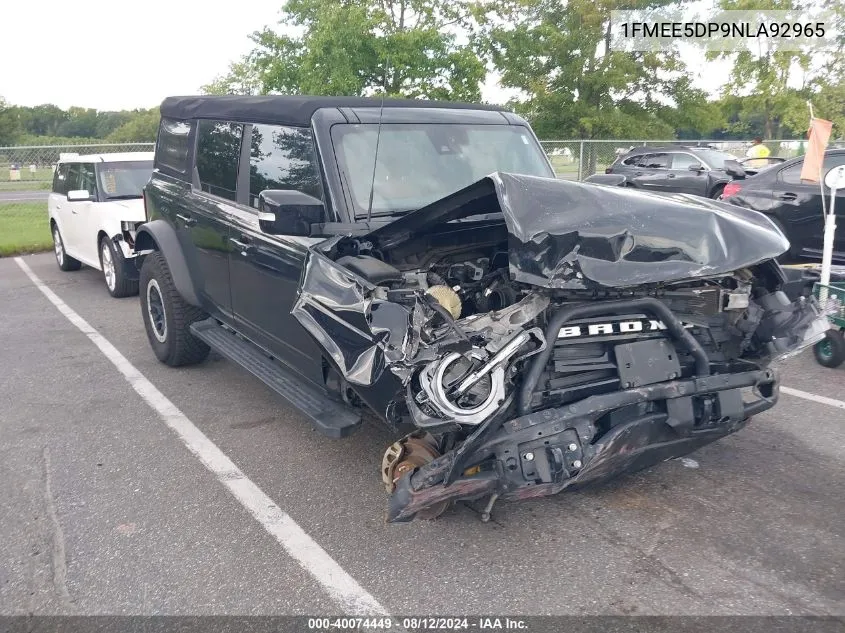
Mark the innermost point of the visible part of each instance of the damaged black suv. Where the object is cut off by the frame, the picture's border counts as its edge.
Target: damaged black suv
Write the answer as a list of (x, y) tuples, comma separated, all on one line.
[(523, 334)]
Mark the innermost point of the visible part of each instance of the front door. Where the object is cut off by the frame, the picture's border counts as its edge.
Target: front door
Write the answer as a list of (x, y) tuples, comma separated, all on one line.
[(266, 269), (687, 175)]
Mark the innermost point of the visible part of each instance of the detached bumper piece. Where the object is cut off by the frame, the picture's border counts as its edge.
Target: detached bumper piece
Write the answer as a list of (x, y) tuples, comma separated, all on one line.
[(547, 451)]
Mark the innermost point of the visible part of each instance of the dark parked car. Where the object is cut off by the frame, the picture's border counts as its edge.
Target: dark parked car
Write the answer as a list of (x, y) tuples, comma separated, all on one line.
[(794, 205), (697, 170), (419, 259)]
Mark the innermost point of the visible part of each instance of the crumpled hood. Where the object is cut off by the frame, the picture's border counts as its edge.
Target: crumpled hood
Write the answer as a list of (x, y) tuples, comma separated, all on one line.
[(566, 234)]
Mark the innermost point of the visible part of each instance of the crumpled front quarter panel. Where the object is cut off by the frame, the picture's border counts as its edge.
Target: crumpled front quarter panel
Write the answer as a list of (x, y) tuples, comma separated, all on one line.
[(344, 315)]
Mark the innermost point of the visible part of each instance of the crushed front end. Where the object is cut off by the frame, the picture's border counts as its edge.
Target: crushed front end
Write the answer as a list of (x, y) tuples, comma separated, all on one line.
[(533, 342)]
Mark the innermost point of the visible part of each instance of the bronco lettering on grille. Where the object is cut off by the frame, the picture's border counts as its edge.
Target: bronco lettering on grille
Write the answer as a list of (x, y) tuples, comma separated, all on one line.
[(616, 327)]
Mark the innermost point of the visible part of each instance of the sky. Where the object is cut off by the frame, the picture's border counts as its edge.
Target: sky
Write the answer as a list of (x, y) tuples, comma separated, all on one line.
[(115, 55)]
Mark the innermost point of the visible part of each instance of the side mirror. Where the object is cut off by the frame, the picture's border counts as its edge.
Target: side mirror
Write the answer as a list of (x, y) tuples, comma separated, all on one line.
[(696, 167), (288, 212), (79, 195), (835, 178)]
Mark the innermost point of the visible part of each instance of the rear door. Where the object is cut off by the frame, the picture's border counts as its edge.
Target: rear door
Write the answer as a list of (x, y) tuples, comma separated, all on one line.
[(651, 172), (204, 224)]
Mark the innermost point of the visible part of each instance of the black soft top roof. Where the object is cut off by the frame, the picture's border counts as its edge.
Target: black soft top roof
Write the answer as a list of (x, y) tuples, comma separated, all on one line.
[(287, 110)]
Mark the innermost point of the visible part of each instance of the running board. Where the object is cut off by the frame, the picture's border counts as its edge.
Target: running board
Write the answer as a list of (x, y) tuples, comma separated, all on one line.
[(328, 416)]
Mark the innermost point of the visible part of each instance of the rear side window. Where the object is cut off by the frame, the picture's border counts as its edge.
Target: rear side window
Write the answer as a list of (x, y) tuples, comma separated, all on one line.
[(218, 154), (791, 175), (60, 179), (173, 145), (282, 158), (655, 161), (632, 160)]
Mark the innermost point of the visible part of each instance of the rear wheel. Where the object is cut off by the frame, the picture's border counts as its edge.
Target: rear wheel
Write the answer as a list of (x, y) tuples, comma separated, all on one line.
[(830, 352), (112, 265), (65, 261), (168, 317)]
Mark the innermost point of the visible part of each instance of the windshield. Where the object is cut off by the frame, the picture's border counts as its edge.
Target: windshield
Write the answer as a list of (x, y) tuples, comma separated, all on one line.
[(419, 163), (125, 179), (713, 158)]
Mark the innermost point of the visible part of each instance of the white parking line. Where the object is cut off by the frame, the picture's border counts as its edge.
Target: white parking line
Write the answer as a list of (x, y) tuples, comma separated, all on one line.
[(340, 586), (833, 402)]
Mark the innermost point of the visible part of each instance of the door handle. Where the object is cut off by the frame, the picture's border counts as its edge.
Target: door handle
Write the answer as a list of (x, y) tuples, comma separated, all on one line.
[(670, 175), (638, 173), (787, 196), (72, 210), (242, 246), (187, 219)]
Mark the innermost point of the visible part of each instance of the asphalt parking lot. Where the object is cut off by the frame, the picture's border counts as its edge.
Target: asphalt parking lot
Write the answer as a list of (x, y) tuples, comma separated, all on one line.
[(105, 510)]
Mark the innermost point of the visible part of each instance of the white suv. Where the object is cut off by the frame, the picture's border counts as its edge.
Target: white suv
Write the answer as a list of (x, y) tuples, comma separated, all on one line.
[(95, 206)]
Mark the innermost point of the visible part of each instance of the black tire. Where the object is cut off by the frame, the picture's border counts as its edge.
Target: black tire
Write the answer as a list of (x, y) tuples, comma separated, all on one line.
[(717, 192), (112, 265), (65, 261), (830, 352), (168, 323)]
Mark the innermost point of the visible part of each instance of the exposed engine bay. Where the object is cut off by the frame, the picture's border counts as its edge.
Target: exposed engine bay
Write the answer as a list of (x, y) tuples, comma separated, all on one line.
[(535, 351)]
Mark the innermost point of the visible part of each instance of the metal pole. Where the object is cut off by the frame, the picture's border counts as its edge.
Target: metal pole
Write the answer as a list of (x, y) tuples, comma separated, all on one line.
[(580, 160)]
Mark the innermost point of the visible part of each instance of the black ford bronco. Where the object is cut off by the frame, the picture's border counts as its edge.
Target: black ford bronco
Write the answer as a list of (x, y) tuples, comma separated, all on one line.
[(521, 334)]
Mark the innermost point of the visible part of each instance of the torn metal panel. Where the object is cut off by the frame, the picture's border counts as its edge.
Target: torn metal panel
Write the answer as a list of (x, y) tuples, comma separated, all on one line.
[(567, 234), (361, 331)]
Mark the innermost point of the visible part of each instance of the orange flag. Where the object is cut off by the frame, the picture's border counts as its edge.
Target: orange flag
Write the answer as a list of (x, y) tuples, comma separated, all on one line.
[(819, 134)]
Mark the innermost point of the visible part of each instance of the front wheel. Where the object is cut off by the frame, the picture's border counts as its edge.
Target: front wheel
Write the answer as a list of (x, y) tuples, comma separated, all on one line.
[(112, 265), (168, 317), (65, 261), (830, 352), (717, 193)]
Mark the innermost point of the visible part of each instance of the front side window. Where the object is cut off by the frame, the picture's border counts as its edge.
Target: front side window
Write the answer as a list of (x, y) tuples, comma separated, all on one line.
[(419, 163), (714, 158), (60, 179), (87, 178), (282, 158), (791, 175), (125, 179), (173, 145), (684, 161), (218, 154)]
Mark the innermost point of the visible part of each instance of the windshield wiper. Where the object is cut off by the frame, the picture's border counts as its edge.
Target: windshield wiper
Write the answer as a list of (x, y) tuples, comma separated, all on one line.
[(126, 196)]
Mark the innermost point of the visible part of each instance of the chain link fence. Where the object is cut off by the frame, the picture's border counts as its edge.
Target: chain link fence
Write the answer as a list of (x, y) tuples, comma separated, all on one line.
[(26, 176), (30, 167), (578, 159)]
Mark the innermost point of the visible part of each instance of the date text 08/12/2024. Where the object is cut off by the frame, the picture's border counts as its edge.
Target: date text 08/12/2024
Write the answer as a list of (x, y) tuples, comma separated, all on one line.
[(417, 623)]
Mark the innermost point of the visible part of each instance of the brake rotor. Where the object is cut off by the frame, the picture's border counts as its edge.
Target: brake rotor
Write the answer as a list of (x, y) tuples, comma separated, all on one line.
[(406, 455)]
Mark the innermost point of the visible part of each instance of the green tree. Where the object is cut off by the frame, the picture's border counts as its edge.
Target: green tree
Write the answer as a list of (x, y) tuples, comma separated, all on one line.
[(411, 48), (43, 120), (559, 54), (142, 127), (242, 78), (764, 81), (10, 127), (80, 122)]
